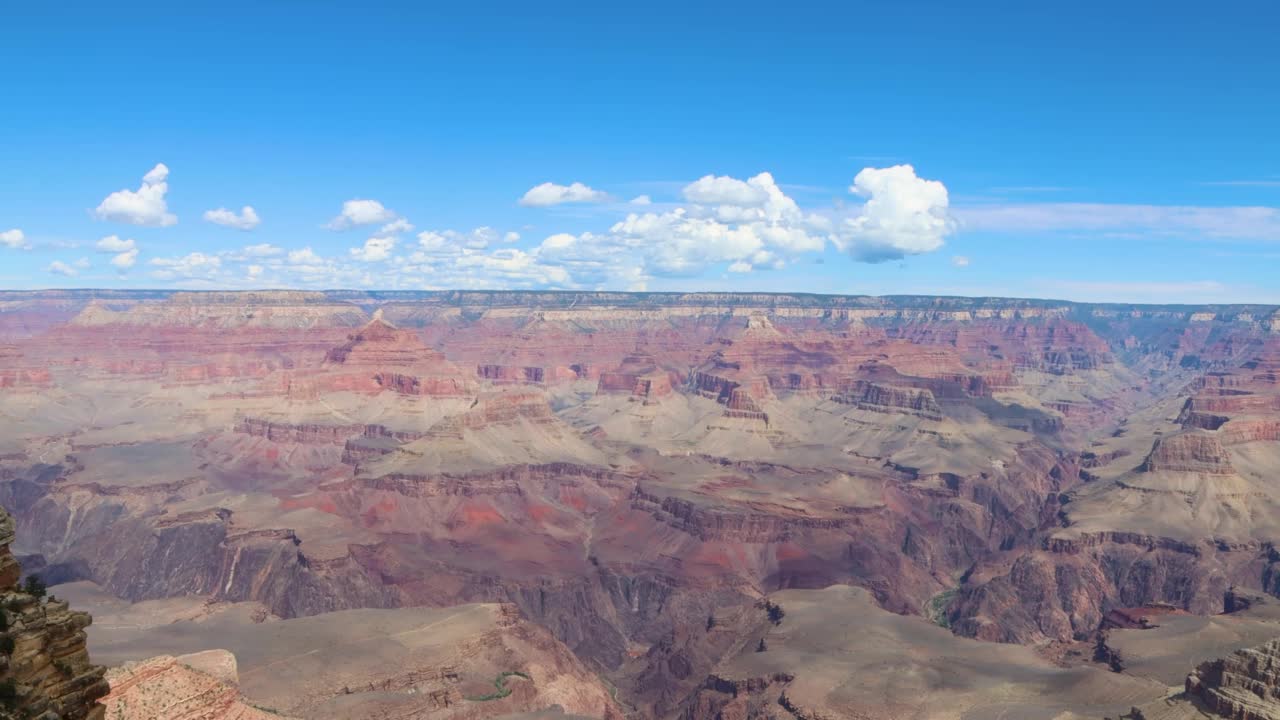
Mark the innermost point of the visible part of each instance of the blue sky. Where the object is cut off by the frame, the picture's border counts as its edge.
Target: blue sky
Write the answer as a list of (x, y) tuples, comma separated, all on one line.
[(1095, 151)]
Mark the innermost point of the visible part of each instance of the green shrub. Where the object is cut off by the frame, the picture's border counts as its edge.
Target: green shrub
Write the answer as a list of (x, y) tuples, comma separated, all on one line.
[(35, 587), (500, 683), (776, 613)]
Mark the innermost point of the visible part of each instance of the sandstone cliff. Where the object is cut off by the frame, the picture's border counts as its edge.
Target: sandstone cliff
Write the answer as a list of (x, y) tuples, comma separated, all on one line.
[(44, 665), (199, 686), (1242, 686)]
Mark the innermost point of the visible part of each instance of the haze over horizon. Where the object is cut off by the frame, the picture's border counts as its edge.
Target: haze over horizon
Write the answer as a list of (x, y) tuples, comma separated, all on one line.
[(1089, 155)]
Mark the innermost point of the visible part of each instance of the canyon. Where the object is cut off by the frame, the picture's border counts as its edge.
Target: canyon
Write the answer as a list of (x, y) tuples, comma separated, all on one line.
[(353, 504)]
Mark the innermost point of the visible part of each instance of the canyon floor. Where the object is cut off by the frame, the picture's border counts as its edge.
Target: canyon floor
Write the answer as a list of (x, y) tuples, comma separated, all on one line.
[(609, 505)]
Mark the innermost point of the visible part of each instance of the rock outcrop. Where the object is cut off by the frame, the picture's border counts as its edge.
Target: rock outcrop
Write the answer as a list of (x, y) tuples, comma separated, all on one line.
[(45, 670), (199, 686), (1245, 685), (1189, 452)]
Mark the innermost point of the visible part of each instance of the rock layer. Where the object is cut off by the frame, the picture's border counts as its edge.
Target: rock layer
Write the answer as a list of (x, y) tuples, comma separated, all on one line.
[(45, 665)]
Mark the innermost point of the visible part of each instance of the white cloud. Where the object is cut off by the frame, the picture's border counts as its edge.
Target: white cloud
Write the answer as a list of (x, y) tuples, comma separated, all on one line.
[(57, 267), (960, 261), (903, 215), (559, 241), (303, 257), (549, 193), (113, 244), (642, 200), (749, 224), (144, 206), (375, 249), (395, 227), (452, 240), (253, 271), (361, 212), (511, 267), (14, 239), (193, 266), (262, 250), (724, 190), (247, 219), (125, 250), (83, 263), (125, 260)]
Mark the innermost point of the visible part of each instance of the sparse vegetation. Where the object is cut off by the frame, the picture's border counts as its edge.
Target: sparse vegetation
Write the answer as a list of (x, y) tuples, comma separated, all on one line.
[(711, 622), (500, 683), (762, 646), (6, 645), (35, 587), (936, 609), (775, 611)]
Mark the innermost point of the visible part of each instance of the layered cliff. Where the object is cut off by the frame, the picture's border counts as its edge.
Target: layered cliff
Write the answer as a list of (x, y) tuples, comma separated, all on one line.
[(45, 670), (1245, 685)]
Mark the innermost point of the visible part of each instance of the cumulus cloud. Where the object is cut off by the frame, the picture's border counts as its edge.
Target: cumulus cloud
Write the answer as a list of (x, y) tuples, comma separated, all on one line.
[(246, 220), (749, 224), (724, 224), (559, 241), (960, 261), (57, 267), (375, 249), (14, 239), (642, 200), (903, 215), (724, 190), (114, 244), (395, 227), (548, 194), (477, 239), (125, 250), (193, 266), (361, 212), (125, 260), (144, 206)]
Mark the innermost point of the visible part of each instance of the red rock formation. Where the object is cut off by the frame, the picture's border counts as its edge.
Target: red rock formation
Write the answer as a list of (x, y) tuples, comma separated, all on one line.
[(383, 357), (180, 688), (1188, 452), (883, 398), (638, 376)]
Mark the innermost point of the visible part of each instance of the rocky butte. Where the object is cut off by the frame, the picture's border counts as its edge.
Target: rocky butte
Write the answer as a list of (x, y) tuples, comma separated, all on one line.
[(710, 505)]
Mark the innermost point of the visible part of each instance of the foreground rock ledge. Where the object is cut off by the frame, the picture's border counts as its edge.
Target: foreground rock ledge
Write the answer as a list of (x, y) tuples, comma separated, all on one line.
[(47, 666)]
